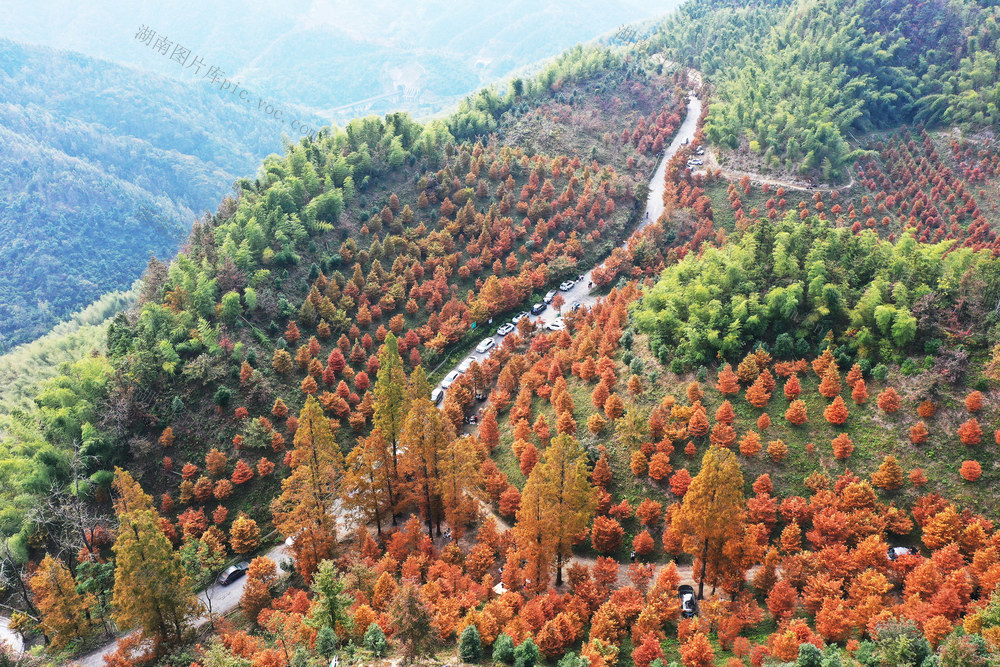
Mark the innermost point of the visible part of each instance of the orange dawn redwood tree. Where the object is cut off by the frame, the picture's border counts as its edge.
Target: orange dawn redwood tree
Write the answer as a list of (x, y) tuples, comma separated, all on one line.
[(367, 484), (556, 504), (728, 383), (757, 394), (792, 387), (888, 401), (859, 392), (151, 590), (836, 413), (425, 435), (889, 475), (830, 386), (63, 609), (304, 507), (970, 432), (698, 423), (796, 413), (750, 445), (842, 447), (971, 470), (711, 514)]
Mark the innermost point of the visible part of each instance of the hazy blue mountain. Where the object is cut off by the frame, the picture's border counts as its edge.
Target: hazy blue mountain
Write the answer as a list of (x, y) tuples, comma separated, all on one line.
[(84, 145), (328, 54)]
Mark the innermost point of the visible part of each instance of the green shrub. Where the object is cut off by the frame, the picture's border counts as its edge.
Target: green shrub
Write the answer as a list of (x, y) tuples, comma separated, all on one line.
[(470, 647), (375, 640), (503, 649)]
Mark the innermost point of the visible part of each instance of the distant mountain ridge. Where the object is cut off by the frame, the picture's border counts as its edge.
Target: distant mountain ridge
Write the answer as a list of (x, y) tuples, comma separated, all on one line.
[(83, 145)]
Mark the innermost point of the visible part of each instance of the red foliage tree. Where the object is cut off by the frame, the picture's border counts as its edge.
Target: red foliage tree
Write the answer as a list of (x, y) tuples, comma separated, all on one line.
[(643, 543), (750, 444), (606, 535), (697, 652), (796, 413), (647, 651), (836, 413), (842, 446), (888, 401), (792, 387), (971, 470), (970, 432), (830, 386), (763, 422), (918, 433), (757, 395), (680, 481), (782, 599), (243, 473), (659, 466), (859, 392), (728, 382)]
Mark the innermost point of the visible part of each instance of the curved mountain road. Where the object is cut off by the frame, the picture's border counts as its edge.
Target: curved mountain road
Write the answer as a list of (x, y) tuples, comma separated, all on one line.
[(581, 292), (223, 598)]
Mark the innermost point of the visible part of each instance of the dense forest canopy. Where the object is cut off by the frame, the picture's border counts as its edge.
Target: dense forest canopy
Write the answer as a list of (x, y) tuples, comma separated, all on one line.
[(797, 80), (787, 285)]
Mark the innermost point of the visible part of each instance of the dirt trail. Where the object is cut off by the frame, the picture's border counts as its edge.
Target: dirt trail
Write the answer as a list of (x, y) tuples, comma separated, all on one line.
[(712, 163)]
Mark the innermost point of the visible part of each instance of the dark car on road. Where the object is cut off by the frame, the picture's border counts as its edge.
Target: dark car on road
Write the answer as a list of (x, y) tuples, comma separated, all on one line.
[(689, 603), (538, 307), (233, 572)]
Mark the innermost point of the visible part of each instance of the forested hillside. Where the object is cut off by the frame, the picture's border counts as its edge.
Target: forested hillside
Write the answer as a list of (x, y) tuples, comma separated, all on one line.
[(384, 229), (76, 169), (796, 81), (757, 427)]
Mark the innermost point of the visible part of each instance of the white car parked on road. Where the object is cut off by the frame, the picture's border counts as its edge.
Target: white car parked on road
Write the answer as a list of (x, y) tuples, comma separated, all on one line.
[(449, 379), (487, 345)]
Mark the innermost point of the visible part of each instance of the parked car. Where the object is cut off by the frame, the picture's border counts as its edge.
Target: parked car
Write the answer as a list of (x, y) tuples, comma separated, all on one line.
[(233, 572), (695, 162), (689, 603), (538, 308), (437, 395), (484, 347), (517, 318), (576, 306), (567, 286), (449, 379), (556, 325), (700, 151), (471, 419), (467, 363), (549, 296), (895, 552), (505, 329)]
